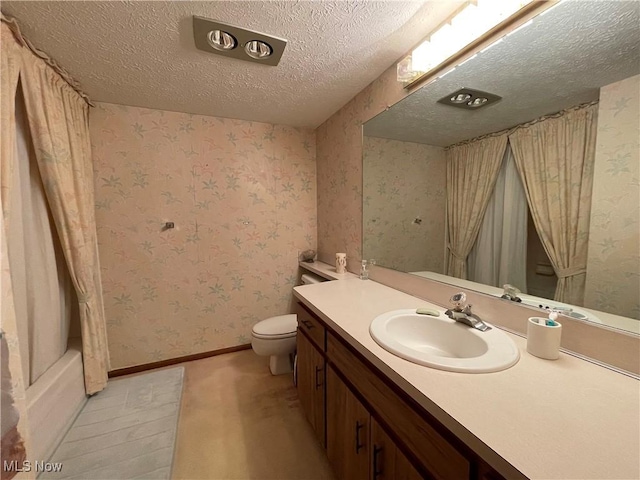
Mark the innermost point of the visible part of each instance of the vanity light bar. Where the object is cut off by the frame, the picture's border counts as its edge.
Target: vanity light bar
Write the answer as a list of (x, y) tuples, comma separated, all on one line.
[(235, 42), (469, 99), (467, 25)]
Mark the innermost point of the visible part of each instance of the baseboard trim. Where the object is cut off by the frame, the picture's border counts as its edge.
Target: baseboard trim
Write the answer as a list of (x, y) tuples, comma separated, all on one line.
[(172, 361)]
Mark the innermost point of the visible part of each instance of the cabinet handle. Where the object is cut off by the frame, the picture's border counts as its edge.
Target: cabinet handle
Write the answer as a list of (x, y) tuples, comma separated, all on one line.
[(307, 323), (318, 370), (376, 452), (359, 426)]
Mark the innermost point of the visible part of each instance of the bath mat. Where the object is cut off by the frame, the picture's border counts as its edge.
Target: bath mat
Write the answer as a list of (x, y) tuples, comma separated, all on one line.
[(125, 432)]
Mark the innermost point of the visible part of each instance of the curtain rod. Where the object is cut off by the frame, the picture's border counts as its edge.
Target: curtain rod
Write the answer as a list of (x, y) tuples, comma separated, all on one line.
[(12, 23), (510, 130)]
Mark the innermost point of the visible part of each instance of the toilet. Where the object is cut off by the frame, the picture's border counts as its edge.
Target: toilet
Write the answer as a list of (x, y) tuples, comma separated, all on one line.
[(275, 337)]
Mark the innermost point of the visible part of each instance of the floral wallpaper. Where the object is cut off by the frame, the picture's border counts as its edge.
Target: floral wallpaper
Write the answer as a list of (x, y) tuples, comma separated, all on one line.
[(404, 225), (613, 266), (242, 196), (339, 159)]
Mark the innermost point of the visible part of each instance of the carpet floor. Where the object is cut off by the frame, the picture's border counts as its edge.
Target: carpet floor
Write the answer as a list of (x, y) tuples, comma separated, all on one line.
[(237, 421)]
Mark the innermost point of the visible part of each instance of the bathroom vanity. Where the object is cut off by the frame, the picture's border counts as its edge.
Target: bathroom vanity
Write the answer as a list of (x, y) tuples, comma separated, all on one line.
[(381, 417)]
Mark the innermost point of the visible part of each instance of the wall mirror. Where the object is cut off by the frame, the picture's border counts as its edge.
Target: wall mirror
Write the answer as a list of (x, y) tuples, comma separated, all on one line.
[(575, 57)]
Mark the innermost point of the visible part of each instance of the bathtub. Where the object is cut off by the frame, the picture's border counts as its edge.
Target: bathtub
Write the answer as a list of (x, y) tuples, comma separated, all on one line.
[(54, 401)]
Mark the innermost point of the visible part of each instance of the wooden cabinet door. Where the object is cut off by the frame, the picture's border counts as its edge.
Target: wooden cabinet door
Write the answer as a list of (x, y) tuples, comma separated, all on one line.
[(311, 384), (348, 446), (387, 461)]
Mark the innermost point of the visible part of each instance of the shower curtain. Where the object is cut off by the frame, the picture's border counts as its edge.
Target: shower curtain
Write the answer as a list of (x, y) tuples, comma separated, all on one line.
[(472, 169), (57, 115), (41, 284), (499, 255)]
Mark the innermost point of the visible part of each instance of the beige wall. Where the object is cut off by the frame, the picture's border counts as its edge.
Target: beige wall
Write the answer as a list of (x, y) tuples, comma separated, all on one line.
[(392, 169), (339, 160), (613, 281), (243, 199)]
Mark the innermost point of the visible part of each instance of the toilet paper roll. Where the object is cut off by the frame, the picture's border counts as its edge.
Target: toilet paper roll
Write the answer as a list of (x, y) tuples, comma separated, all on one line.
[(543, 340)]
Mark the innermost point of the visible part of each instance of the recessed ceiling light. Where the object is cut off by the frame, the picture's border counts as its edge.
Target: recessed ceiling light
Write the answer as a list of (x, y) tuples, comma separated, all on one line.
[(478, 102), (221, 40), (460, 98), (235, 42), (469, 98), (258, 50)]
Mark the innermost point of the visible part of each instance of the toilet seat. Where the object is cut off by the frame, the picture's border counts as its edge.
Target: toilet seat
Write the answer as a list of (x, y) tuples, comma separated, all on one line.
[(281, 326), (273, 337)]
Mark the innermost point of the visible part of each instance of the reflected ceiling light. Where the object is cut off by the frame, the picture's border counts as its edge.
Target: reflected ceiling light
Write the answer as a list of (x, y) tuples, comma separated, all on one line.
[(221, 40), (460, 98), (478, 102), (469, 99), (235, 42), (471, 22)]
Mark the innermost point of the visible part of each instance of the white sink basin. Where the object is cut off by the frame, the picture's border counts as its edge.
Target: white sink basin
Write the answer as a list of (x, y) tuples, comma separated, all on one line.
[(442, 343)]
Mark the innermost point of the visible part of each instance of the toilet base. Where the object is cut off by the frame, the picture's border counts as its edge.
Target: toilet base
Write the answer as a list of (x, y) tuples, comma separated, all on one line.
[(280, 364)]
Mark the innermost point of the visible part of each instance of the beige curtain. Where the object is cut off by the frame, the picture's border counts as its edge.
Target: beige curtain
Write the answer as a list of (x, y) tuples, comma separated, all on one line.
[(58, 121), (555, 158), (472, 170), (42, 289), (13, 421)]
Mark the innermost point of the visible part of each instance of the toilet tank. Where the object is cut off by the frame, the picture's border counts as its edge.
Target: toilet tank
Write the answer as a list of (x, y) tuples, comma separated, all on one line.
[(310, 278)]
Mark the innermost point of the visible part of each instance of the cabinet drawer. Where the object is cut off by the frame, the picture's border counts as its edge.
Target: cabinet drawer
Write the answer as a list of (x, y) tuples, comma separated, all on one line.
[(441, 459), (315, 330)]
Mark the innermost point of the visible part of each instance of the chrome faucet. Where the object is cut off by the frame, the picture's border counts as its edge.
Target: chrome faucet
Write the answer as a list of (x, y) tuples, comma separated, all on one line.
[(511, 293), (461, 312)]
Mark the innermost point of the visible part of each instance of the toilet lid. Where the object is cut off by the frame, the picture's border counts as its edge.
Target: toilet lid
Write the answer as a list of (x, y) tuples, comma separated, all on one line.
[(277, 326)]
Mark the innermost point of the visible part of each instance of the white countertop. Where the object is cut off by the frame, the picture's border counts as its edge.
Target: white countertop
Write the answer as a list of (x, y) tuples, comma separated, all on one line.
[(563, 419)]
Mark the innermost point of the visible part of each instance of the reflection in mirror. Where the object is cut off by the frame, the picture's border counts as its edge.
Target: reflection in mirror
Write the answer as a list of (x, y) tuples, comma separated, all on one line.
[(539, 190)]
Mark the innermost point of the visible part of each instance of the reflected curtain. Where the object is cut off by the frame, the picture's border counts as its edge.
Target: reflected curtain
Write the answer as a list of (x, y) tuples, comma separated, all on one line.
[(472, 170), (499, 255), (555, 158)]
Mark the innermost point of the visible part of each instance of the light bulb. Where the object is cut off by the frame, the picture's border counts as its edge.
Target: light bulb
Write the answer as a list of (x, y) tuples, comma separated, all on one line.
[(258, 49), (221, 40)]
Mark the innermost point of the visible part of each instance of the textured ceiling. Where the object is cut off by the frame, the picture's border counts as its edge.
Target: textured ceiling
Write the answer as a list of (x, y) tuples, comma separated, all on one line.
[(143, 54), (560, 60)]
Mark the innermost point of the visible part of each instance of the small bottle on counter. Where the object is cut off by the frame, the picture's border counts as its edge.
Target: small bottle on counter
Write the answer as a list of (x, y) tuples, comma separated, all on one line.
[(364, 273), (341, 262)]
